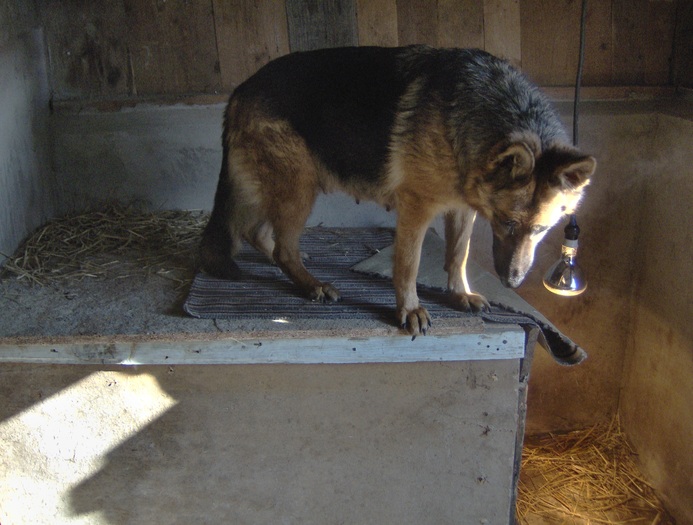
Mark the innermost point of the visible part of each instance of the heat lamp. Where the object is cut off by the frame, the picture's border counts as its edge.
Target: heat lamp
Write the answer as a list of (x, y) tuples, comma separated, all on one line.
[(565, 277)]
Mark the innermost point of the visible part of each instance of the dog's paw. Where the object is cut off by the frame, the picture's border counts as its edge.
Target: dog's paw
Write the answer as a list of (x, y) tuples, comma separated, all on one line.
[(416, 321), (325, 293), (470, 302)]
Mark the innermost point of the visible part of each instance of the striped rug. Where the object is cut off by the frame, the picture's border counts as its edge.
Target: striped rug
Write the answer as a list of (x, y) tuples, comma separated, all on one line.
[(264, 292)]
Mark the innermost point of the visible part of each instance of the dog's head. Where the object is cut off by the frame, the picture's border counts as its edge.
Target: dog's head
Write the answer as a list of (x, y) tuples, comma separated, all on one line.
[(524, 192)]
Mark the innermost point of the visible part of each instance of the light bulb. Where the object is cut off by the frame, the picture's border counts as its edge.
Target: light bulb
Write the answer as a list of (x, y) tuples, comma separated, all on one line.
[(565, 277)]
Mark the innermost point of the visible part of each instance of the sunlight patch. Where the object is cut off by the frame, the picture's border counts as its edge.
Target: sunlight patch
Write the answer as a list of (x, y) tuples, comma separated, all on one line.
[(60, 441)]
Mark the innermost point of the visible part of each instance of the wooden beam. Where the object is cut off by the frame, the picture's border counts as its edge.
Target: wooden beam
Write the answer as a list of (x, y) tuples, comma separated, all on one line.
[(496, 342), (248, 34), (314, 24), (502, 34), (377, 22), (460, 23), (417, 22)]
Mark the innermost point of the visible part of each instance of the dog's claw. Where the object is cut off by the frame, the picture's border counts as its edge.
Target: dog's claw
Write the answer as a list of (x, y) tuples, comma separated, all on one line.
[(325, 293), (416, 321), (470, 302)]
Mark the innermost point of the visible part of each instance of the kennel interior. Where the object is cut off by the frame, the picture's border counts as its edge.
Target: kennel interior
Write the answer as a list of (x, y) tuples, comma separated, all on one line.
[(105, 101)]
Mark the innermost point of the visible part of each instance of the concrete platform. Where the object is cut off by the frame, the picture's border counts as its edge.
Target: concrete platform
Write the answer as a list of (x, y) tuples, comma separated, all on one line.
[(110, 417), (379, 443)]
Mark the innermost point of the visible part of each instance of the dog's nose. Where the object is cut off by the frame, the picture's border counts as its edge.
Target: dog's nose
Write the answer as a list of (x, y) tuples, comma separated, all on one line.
[(514, 279)]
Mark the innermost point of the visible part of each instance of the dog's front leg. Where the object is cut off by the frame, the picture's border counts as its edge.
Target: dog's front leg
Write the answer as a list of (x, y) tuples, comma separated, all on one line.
[(411, 229), (458, 232)]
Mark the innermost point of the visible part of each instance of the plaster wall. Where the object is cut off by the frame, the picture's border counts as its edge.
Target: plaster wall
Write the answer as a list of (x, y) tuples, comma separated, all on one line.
[(658, 377), (635, 317), (26, 181), (163, 157)]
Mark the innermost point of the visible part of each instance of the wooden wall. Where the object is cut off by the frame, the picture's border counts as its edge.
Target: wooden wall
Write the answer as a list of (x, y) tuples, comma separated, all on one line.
[(139, 48)]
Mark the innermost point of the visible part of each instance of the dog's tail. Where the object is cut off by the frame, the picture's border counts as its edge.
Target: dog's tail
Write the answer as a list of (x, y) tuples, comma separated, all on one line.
[(218, 244)]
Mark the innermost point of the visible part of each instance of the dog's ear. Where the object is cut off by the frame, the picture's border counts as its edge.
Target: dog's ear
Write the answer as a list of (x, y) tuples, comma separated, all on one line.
[(518, 159), (575, 173)]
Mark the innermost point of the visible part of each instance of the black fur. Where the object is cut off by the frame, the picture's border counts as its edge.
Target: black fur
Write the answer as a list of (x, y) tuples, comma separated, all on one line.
[(343, 101)]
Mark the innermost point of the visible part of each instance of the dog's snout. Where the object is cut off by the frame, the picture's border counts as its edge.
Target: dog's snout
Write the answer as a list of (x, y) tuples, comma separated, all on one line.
[(512, 277), (512, 281)]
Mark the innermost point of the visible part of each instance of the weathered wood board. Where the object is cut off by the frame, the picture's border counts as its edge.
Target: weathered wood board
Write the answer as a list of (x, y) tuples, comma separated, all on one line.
[(132, 50)]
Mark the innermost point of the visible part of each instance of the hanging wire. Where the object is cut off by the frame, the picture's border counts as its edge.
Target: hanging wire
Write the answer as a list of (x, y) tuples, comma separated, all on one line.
[(578, 78)]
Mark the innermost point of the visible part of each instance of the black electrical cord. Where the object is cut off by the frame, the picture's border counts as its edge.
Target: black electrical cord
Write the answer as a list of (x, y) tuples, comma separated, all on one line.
[(578, 77), (578, 83)]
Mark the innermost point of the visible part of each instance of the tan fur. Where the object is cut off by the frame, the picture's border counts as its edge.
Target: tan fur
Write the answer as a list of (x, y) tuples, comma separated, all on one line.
[(426, 156), (276, 178)]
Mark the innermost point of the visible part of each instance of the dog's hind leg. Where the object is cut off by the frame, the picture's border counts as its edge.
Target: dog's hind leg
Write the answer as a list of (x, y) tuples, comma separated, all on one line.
[(288, 257), (260, 238), (288, 176), (219, 244), (459, 224), (288, 219)]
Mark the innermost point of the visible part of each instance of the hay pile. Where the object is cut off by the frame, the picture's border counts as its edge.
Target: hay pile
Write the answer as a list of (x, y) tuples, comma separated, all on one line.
[(113, 242), (587, 476)]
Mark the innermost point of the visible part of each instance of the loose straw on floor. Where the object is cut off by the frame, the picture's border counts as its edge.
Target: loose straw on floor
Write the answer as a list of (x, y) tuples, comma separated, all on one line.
[(587, 476), (114, 242)]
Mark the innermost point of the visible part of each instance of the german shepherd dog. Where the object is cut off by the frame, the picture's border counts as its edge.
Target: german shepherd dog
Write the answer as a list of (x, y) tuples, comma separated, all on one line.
[(420, 130)]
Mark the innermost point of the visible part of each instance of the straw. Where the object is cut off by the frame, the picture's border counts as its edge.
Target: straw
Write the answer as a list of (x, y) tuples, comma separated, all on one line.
[(113, 242), (586, 476)]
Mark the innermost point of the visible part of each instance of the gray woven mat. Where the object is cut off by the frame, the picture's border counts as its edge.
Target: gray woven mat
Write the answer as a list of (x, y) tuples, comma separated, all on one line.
[(264, 292)]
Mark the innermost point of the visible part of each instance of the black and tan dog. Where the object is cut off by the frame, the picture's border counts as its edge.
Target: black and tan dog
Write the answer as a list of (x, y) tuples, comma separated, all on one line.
[(424, 131)]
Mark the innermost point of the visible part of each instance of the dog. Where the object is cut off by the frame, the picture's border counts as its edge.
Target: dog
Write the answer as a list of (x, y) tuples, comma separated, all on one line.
[(420, 130)]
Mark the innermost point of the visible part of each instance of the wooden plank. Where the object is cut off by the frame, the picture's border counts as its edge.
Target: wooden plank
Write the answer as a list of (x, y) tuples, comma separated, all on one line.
[(314, 24), (659, 42), (172, 46), (556, 93), (248, 34), (611, 93), (506, 342), (630, 23), (550, 40), (446, 23), (460, 23), (87, 47), (682, 69), (598, 47), (377, 22), (502, 34), (417, 22), (643, 41)]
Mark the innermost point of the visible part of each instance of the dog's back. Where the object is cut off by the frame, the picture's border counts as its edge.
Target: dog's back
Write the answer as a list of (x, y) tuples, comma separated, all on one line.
[(344, 102)]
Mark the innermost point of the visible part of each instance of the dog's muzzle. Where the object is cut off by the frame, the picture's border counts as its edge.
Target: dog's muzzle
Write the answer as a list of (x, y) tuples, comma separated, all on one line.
[(512, 259)]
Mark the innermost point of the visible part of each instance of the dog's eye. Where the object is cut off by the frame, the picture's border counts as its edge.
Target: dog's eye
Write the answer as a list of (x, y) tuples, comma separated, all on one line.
[(510, 225), (537, 229)]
